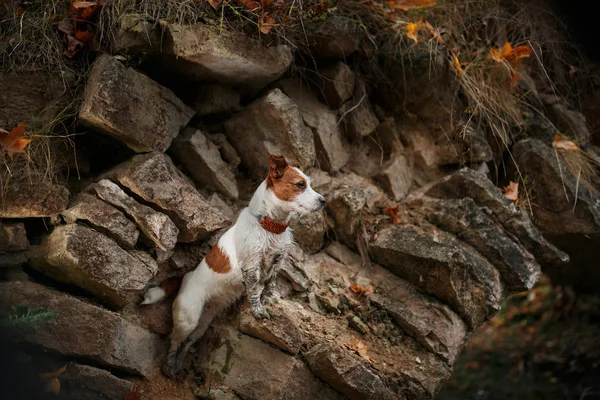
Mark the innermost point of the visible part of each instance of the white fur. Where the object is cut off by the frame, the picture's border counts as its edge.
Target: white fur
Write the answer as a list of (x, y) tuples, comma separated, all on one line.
[(153, 295), (204, 293)]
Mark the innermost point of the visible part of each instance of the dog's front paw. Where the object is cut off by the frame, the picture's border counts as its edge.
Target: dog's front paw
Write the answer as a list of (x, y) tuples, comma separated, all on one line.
[(260, 312), (271, 299)]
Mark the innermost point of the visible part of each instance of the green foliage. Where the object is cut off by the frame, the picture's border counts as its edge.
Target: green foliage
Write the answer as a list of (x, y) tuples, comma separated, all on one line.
[(26, 317)]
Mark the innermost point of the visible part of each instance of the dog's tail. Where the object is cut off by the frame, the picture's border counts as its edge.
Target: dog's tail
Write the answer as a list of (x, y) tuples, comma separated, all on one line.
[(168, 288)]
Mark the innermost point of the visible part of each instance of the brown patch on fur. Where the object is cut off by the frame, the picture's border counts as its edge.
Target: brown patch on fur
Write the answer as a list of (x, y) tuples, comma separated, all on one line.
[(283, 178), (217, 260), (171, 286)]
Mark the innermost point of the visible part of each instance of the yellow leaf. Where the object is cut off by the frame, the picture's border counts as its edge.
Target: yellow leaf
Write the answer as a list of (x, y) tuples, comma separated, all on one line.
[(502, 53), (560, 143), (412, 29), (50, 380), (511, 191), (360, 348), (457, 64), (356, 288), (52, 386)]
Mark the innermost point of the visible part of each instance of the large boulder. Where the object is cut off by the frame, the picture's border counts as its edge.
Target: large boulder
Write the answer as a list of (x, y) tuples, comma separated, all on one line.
[(330, 144), (277, 127), (203, 160), (79, 329), (216, 99), (346, 205), (14, 245), (309, 231), (156, 227), (395, 177), (33, 200), (469, 183), (154, 178), (128, 105), (518, 268), (442, 266), (81, 256), (82, 382), (103, 217), (208, 53), (279, 330), (335, 84)]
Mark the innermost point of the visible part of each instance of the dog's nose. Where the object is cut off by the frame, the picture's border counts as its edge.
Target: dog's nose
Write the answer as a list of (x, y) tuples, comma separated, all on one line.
[(322, 201)]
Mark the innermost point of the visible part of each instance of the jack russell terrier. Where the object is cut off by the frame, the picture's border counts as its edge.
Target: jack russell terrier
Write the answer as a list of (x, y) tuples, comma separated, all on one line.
[(248, 255)]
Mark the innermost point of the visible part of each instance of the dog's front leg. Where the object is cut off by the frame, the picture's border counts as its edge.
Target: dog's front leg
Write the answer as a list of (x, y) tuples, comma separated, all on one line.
[(251, 274), (270, 295)]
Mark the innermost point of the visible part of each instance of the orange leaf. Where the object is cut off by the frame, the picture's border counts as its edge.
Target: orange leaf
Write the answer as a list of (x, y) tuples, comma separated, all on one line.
[(412, 29), (360, 348), (502, 53), (511, 191), (457, 64), (266, 23), (251, 5), (560, 143), (521, 52), (84, 36), (356, 288), (51, 381), (434, 32), (215, 3), (406, 5), (393, 212), (13, 142)]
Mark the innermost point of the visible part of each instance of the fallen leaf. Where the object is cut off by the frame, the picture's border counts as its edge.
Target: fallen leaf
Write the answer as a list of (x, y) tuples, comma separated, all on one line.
[(251, 5), (84, 36), (412, 29), (266, 23), (393, 212), (50, 380), (511, 191), (13, 142), (434, 32), (360, 348), (356, 288), (406, 5), (457, 64), (215, 3), (560, 143)]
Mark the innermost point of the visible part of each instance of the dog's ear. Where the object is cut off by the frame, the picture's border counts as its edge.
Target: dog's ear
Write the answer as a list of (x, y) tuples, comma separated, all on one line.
[(277, 166)]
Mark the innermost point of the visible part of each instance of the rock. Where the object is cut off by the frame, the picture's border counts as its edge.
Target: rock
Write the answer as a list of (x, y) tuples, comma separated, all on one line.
[(155, 179), (216, 99), (346, 208), (15, 274), (356, 323), (571, 124), (227, 151), (82, 330), (468, 183), (357, 118), (441, 266), (135, 34), (330, 145), (254, 370), (203, 160), (335, 84), (103, 217), (279, 330), (335, 40), (395, 177), (33, 200), (81, 256), (330, 302), (346, 373), (295, 276), (14, 245), (517, 266), (313, 303), (310, 230), (158, 317), (186, 258), (207, 53), (222, 206), (277, 128), (121, 102), (82, 382), (156, 227)]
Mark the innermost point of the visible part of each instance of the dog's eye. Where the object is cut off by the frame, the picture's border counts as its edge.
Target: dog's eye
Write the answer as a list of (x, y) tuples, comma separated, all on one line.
[(301, 185)]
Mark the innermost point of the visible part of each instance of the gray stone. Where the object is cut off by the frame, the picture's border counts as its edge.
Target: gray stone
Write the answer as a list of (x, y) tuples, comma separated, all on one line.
[(441, 266), (227, 151), (277, 128), (469, 183), (279, 330), (14, 245), (203, 160), (135, 34), (204, 52), (395, 177), (82, 330), (33, 200), (330, 144), (222, 206), (215, 99), (103, 217), (254, 370), (346, 373), (569, 123), (357, 117), (346, 208), (121, 102), (154, 178), (335, 84), (295, 276), (81, 256), (309, 231), (82, 382), (155, 226), (517, 266), (358, 324), (335, 40)]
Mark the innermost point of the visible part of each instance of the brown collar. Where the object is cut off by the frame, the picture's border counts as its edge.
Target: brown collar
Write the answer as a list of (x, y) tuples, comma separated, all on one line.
[(272, 226)]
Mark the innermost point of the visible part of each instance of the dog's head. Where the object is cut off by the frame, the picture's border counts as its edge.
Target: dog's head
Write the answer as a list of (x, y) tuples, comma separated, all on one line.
[(291, 188)]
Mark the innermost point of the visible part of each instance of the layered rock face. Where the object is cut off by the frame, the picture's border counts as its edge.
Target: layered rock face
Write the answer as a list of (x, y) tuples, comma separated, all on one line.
[(411, 254)]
